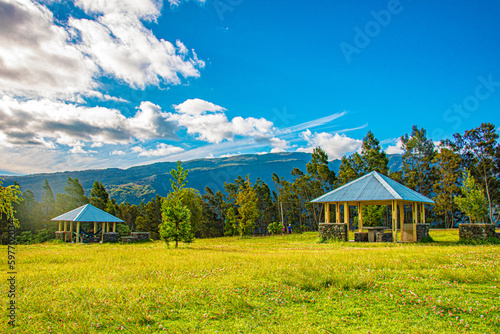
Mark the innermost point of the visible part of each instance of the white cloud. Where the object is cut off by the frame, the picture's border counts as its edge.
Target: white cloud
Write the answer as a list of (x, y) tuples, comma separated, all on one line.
[(335, 145), (64, 61), (175, 3), (229, 155), (117, 152), (45, 123), (209, 123), (396, 148), (162, 149)]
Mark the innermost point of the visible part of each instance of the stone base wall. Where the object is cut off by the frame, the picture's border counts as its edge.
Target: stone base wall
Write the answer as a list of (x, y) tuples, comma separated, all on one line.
[(361, 237), (476, 231), (333, 231), (128, 240), (111, 237), (422, 231), (383, 237), (141, 236)]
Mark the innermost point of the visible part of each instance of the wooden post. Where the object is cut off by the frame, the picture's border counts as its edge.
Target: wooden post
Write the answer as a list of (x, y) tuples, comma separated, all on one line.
[(346, 214), (65, 230), (95, 227), (78, 239), (114, 227), (60, 226), (70, 231), (401, 219), (423, 213), (327, 212), (102, 233), (394, 221), (360, 217), (337, 215), (414, 212)]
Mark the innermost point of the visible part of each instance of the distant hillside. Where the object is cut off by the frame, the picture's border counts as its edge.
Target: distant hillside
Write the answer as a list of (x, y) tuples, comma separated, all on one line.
[(139, 183)]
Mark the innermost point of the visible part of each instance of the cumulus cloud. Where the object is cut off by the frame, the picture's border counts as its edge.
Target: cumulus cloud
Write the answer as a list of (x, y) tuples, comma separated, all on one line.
[(162, 149), (208, 122), (47, 123), (396, 148), (39, 58), (117, 152), (335, 145)]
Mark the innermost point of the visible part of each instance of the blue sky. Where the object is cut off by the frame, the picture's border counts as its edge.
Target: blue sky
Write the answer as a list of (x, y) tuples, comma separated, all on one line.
[(108, 83)]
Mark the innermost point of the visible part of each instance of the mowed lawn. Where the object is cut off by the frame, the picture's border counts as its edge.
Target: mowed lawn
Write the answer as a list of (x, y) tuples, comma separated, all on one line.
[(279, 284)]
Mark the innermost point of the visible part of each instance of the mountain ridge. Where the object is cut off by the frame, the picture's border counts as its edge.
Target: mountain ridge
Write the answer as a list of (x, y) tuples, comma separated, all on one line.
[(138, 183)]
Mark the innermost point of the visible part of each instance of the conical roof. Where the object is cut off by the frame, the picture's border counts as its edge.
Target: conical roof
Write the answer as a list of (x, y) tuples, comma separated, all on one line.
[(88, 213), (372, 187)]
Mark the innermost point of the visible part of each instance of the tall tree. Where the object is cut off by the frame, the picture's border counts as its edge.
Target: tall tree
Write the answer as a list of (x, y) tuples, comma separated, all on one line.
[(447, 185), (99, 197), (372, 156), (418, 153), (481, 152), (176, 217), (248, 212), (8, 196), (73, 196), (48, 203)]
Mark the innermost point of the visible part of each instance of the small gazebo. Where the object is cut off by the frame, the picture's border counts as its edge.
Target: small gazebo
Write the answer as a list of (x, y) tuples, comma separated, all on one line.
[(377, 189), (85, 214)]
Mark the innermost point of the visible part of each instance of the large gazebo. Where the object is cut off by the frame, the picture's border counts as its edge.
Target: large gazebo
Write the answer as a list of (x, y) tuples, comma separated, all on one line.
[(377, 189), (85, 214)]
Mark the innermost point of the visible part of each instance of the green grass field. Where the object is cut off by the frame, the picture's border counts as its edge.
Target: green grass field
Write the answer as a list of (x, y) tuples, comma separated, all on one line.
[(280, 284)]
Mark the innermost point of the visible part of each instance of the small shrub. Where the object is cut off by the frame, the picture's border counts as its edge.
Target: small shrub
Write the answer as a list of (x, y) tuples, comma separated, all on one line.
[(44, 235), (275, 227), (123, 230), (489, 241), (25, 238)]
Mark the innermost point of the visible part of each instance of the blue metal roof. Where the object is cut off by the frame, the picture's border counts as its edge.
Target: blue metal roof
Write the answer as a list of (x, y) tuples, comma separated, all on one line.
[(372, 187), (88, 213)]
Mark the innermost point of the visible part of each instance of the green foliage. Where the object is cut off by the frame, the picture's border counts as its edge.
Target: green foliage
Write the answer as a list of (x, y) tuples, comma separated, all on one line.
[(372, 215), (176, 217), (418, 153), (8, 196), (25, 238), (231, 222), (247, 210), (176, 224), (44, 235), (275, 228), (123, 230), (481, 151), (149, 217), (447, 185), (99, 197), (131, 192), (473, 202), (192, 200)]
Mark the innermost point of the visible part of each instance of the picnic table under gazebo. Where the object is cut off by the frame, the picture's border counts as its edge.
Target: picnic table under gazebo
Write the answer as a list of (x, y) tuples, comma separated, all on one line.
[(86, 214), (376, 189)]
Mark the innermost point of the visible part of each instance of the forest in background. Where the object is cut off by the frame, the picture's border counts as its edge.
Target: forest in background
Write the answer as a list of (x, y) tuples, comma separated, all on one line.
[(434, 171)]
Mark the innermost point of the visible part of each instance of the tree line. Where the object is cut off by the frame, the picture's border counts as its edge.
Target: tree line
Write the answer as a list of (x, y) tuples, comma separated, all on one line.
[(460, 174)]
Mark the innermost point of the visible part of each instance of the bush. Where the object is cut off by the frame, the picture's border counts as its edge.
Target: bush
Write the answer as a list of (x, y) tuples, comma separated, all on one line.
[(44, 235), (123, 230), (275, 227), (25, 238)]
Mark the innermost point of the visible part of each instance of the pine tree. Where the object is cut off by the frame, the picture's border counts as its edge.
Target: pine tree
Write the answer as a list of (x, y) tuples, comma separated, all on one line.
[(176, 224), (99, 197), (248, 212), (481, 152), (447, 184), (48, 202), (417, 161)]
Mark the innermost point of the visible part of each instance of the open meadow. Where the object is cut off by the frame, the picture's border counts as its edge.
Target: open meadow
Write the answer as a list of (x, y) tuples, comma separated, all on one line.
[(278, 284)]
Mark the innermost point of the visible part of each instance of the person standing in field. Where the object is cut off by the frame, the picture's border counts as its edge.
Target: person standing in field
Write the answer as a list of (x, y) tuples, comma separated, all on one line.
[(289, 228), (284, 229)]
